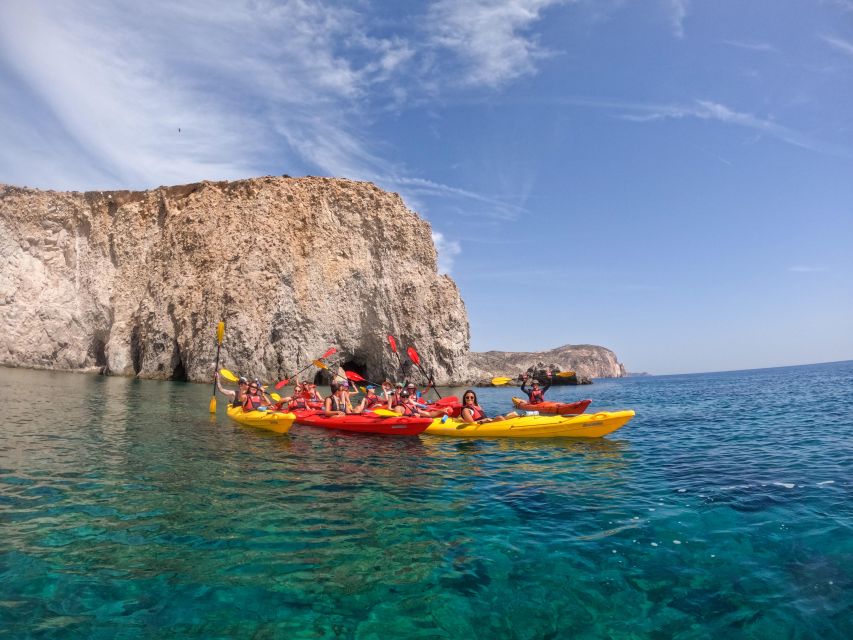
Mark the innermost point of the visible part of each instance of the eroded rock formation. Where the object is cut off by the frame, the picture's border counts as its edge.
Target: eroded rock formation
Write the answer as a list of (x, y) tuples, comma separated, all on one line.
[(586, 360), (133, 283)]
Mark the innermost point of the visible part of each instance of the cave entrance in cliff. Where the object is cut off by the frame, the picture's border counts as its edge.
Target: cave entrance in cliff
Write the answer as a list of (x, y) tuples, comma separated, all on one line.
[(356, 366)]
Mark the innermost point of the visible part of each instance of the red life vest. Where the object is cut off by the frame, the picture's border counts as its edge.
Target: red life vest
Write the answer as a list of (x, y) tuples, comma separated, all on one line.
[(476, 412), (251, 402), (371, 401), (298, 403), (536, 396)]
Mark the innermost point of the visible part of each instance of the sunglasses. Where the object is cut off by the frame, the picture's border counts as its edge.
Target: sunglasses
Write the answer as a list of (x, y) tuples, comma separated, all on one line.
[(467, 397)]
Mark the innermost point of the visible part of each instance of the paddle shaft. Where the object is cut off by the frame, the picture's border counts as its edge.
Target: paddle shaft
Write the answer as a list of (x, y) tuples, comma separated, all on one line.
[(430, 381)]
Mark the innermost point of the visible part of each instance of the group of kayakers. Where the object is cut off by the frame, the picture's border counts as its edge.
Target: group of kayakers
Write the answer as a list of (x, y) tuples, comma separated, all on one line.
[(403, 399)]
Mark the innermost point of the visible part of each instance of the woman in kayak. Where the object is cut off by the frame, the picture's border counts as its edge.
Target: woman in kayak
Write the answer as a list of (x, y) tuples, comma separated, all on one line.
[(256, 399), (235, 397), (472, 412), (387, 393), (535, 394), (338, 403), (369, 401)]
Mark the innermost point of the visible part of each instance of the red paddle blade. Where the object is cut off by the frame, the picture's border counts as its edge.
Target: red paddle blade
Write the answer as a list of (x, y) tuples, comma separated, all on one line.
[(352, 375), (281, 383), (393, 343), (328, 353), (413, 355)]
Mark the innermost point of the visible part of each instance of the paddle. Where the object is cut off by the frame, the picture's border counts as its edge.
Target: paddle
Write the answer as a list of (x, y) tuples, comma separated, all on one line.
[(386, 413), (565, 374), (220, 334), (393, 344), (230, 377), (282, 383), (500, 380), (417, 360)]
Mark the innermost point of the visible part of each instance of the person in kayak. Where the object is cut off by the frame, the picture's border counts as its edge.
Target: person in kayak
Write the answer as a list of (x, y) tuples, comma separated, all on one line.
[(472, 412), (234, 397), (535, 394), (369, 401), (415, 395), (387, 393), (408, 407), (256, 399), (338, 402)]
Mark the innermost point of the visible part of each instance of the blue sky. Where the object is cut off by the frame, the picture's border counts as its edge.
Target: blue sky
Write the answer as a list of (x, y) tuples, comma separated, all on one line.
[(672, 179)]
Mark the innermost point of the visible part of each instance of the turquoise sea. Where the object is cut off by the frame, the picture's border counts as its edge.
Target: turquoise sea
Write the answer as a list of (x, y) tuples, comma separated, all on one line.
[(724, 509)]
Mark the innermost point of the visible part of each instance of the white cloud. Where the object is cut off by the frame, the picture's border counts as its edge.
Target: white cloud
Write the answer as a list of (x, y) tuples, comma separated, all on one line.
[(752, 46), (491, 37), (677, 14), (839, 44), (447, 251)]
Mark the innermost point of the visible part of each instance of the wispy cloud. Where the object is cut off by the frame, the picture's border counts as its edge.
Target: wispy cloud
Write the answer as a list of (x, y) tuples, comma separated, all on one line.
[(707, 110), (491, 38), (763, 47), (807, 269), (447, 251), (840, 44), (677, 14)]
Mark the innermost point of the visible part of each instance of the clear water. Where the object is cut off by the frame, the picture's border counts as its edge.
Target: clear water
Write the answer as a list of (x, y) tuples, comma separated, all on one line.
[(723, 509)]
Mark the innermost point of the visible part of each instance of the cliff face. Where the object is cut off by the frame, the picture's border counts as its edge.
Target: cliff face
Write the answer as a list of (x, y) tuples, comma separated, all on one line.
[(586, 360), (133, 283)]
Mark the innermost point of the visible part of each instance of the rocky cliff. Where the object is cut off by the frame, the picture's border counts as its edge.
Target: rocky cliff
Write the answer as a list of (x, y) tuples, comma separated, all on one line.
[(133, 283), (588, 361)]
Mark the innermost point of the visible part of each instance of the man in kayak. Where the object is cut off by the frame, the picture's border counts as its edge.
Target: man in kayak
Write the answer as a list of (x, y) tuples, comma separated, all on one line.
[(472, 412), (387, 393), (338, 403), (535, 394), (234, 397)]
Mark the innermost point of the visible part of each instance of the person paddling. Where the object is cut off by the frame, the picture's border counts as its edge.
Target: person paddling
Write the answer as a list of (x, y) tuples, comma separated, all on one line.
[(338, 403), (535, 394), (472, 412), (234, 397)]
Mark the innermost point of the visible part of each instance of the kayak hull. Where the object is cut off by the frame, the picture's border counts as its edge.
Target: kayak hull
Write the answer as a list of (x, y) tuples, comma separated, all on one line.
[(365, 423), (556, 408), (593, 425), (269, 420)]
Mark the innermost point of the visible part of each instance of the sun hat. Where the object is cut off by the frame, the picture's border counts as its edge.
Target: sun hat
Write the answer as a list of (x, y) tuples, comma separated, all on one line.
[(398, 384), (242, 380), (411, 385)]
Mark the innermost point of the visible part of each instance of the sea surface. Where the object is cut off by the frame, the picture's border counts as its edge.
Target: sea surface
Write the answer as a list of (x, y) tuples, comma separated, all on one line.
[(723, 510)]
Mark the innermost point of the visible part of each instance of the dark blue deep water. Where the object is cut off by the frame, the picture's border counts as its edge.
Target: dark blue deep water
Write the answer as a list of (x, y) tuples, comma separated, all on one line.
[(723, 510)]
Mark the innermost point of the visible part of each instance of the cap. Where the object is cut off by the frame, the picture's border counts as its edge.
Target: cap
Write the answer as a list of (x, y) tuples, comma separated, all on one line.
[(534, 381), (370, 386), (243, 380), (411, 385), (399, 384), (344, 384)]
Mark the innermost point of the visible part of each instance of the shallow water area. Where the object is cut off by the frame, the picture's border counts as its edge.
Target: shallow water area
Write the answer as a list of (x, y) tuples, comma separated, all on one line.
[(723, 508)]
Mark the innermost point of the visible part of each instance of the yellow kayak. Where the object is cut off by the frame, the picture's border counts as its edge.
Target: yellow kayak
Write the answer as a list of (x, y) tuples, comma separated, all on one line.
[(271, 420), (588, 425)]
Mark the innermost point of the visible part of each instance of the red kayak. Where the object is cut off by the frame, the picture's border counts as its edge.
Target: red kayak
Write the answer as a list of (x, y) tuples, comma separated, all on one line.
[(365, 423), (555, 408)]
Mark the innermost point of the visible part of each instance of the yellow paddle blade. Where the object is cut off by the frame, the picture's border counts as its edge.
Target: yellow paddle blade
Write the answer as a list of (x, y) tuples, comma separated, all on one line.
[(501, 380), (565, 374), (220, 332), (275, 396), (228, 375), (320, 365), (213, 404), (386, 413), (363, 389)]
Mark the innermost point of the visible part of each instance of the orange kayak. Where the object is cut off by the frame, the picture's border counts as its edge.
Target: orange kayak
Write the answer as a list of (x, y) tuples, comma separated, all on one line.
[(556, 408)]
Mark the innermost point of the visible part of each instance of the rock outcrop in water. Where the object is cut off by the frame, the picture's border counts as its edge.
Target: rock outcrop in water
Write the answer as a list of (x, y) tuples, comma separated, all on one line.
[(586, 360), (133, 283)]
